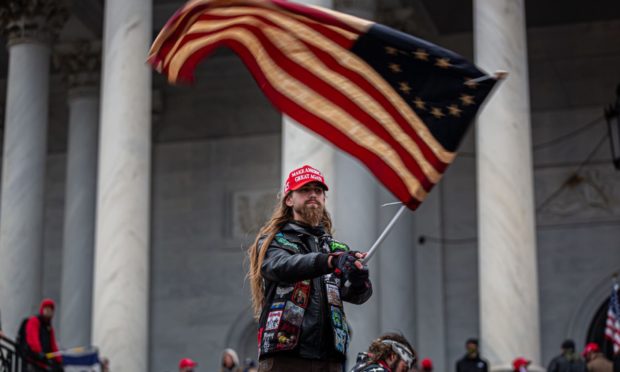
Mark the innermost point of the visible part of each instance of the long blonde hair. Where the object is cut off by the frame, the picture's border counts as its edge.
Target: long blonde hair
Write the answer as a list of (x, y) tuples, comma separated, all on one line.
[(281, 215)]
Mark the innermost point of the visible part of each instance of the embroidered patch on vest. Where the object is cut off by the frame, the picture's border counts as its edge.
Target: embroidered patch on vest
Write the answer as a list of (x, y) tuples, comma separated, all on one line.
[(277, 305), (273, 320), (280, 239), (268, 342), (336, 317), (300, 295), (293, 314), (333, 295), (340, 340), (337, 246)]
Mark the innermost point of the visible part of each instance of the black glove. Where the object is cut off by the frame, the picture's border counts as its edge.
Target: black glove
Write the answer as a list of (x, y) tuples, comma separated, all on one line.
[(359, 277), (344, 264)]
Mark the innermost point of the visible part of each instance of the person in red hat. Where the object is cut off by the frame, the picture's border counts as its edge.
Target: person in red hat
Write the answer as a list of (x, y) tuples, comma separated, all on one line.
[(427, 365), (36, 339), (187, 365), (520, 364), (597, 362), (297, 275)]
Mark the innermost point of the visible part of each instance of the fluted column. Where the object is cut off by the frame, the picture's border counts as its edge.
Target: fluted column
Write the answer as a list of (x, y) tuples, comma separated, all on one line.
[(121, 285), (29, 26), (80, 65), (509, 315)]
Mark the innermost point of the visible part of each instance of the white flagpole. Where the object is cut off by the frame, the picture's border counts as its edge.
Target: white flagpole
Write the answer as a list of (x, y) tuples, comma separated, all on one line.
[(384, 234), (381, 237)]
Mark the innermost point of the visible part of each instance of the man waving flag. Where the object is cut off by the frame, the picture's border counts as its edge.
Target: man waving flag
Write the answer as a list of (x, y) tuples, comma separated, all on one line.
[(399, 104)]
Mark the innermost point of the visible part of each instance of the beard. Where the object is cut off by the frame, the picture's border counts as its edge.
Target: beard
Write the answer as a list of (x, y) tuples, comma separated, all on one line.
[(312, 213)]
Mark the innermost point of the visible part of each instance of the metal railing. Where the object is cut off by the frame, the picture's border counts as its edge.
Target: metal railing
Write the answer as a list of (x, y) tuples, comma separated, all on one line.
[(10, 359)]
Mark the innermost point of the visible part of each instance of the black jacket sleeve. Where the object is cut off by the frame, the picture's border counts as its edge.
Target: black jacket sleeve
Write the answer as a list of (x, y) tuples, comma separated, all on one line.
[(282, 265)]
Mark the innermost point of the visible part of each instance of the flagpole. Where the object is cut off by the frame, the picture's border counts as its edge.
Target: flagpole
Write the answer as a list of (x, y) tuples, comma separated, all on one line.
[(381, 237), (384, 234)]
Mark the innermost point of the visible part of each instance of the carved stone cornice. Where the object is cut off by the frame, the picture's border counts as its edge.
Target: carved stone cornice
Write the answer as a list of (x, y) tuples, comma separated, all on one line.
[(79, 63), (32, 20)]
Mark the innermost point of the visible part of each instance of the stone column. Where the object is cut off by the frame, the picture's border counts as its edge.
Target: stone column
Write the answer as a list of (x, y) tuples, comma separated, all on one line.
[(29, 30), (429, 283), (509, 315), (80, 65), (357, 224), (121, 282)]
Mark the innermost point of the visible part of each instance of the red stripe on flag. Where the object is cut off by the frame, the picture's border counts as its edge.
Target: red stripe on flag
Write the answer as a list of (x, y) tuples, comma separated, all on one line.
[(369, 88), (382, 171), (325, 89)]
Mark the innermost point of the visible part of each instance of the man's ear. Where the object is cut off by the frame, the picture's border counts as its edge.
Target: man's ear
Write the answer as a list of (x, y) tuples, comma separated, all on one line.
[(288, 200)]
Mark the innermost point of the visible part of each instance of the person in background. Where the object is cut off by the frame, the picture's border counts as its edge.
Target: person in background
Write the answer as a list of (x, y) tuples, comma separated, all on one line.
[(568, 360), (230, 361), (595, 359), (187, 365), (472, 362), (36, 339), (520, 364), (389, 353), (427, 365)]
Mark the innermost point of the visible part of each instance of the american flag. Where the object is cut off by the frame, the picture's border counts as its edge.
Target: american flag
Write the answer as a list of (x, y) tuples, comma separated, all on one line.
[(612, 328), (399, 104)]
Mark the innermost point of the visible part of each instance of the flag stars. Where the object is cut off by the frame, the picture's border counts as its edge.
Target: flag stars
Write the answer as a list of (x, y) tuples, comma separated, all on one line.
[(395, 68), (421, 54), (467, 100), (437, 113), (419, 103), (404, 87), (391, 50), (454, 110), (470, 83), (443, 62)]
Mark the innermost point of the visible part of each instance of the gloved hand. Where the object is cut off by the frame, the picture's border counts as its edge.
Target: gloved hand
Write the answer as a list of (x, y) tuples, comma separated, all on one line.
[(359, 277), (345, 263)]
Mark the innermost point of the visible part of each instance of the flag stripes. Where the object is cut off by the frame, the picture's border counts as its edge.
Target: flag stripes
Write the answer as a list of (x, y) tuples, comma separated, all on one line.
[(612, 327), (301, 58)]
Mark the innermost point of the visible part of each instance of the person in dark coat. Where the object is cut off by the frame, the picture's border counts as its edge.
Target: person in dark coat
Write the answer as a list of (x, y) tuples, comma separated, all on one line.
[(37, 339), (472, 362), (568, 361), (298, 275)]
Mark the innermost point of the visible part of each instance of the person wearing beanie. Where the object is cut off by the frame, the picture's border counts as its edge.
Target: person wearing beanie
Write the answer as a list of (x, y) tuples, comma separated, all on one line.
[(230, 361), (427, 365), (520, 364), (568, 360), (36, 339), (187, 365), (391, 352), (298, 274), (597, 362)]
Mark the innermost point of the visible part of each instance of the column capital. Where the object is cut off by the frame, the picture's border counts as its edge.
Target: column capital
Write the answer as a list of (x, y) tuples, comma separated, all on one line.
[(32, 20), (80, 64)]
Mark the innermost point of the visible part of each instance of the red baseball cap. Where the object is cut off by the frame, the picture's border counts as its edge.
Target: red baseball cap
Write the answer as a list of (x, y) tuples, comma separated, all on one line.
[(48, 302), (187, 363), (301, 176), (427, 363), (592, 347), (520, 362)]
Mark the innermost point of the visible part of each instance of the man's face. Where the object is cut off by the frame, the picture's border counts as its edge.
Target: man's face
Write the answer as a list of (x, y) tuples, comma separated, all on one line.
[(48, 312), (472, 348), (397, 365), (308, 203)]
